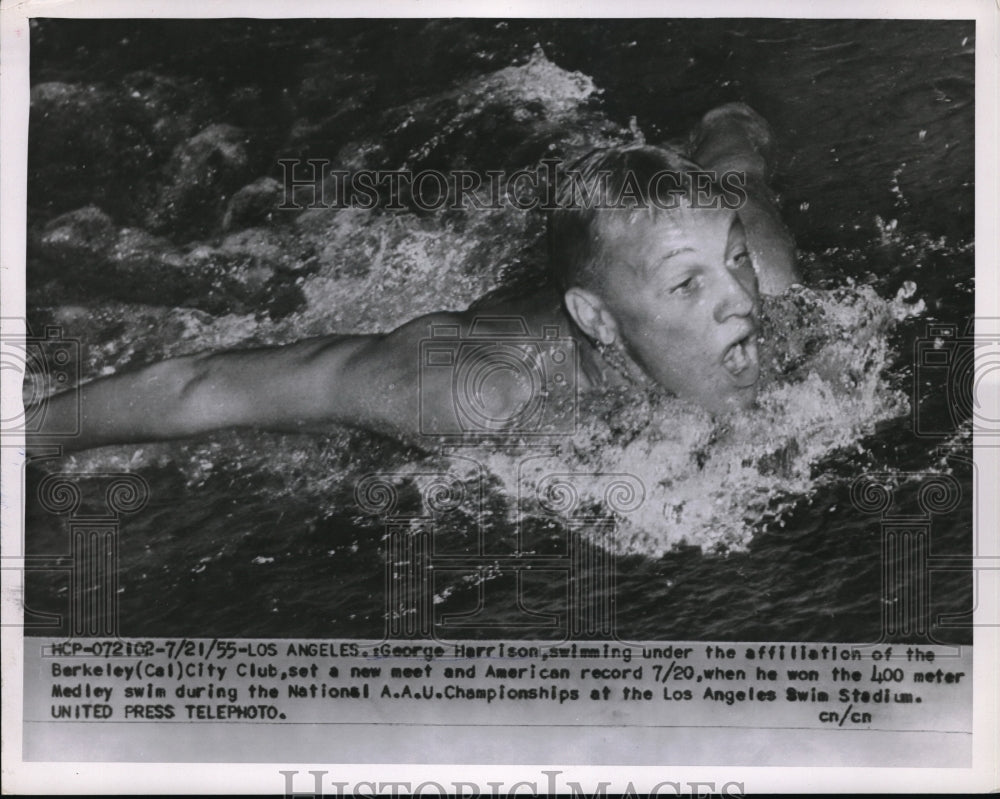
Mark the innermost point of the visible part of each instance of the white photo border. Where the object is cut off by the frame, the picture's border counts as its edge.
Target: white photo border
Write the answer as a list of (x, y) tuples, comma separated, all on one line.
[(31, 777)]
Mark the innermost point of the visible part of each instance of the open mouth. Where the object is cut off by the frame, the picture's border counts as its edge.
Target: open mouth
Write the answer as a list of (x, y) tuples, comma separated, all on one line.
[(740, 360)]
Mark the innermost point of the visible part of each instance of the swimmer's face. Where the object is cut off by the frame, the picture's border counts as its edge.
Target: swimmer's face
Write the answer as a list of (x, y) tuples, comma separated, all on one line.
[(682, 291)]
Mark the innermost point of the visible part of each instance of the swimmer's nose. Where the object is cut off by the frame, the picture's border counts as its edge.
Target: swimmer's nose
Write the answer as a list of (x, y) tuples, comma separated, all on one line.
[(736, 299)]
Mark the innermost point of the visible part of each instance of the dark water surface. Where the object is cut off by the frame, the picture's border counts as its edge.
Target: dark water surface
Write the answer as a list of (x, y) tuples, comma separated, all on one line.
[(254, 534)]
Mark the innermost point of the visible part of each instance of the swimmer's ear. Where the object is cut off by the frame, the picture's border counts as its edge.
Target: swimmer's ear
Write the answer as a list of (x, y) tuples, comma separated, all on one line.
[(592, 315)]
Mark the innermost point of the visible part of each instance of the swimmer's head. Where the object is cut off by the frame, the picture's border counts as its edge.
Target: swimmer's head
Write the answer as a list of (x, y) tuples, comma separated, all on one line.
[(655, 265)]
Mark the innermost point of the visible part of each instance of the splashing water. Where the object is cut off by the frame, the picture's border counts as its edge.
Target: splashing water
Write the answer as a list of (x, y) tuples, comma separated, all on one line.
[(668, 472), (710, 483), (680, 476), (275, 519)]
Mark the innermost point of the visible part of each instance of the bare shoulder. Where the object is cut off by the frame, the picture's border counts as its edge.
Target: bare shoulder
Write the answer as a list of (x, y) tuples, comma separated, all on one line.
[(506, 367), (498, 315), (534, 314), (482, 370)]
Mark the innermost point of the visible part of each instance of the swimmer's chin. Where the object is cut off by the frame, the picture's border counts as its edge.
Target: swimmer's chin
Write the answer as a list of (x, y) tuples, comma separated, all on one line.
[(737, 400), (746, 398)]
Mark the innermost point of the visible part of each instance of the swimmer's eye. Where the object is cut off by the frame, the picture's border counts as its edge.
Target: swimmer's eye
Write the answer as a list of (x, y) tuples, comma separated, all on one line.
[(687, 286), (742, 259)]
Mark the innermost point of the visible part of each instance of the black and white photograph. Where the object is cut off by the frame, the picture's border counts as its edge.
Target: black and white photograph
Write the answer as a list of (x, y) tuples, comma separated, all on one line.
[(516, 337)]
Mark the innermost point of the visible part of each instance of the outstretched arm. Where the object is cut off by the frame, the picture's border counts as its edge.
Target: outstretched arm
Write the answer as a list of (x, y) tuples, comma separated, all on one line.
[(366, 381), (281, 388), (373, 382)]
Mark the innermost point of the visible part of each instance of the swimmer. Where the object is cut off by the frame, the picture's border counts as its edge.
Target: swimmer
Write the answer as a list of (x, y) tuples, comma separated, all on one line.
[(650, 296)]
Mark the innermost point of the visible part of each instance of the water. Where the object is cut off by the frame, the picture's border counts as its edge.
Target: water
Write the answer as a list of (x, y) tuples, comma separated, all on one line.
[(742, 528)]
